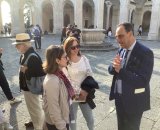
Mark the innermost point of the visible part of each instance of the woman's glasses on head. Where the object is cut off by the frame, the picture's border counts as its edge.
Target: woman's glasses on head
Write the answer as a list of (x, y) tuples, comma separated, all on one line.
[(75, 47)]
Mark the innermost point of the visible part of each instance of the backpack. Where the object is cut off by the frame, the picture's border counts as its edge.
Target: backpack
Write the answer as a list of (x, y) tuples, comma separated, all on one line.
[(37, 32), (35, 84)]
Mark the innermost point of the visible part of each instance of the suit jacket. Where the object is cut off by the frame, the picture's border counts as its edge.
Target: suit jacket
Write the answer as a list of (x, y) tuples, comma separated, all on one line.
[(1, 63), (135, 79)]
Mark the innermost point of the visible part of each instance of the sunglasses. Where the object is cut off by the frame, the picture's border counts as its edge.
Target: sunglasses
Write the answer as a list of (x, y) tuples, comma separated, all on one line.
[(74, 47)]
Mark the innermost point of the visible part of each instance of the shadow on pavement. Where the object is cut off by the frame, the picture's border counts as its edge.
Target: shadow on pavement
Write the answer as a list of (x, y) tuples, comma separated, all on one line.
[(13, 115)]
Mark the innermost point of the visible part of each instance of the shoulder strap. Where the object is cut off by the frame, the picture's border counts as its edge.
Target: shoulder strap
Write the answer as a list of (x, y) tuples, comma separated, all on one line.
[(31, 54)]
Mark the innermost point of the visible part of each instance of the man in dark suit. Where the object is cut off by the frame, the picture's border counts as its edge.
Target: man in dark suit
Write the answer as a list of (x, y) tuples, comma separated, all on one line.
[(132, 68)]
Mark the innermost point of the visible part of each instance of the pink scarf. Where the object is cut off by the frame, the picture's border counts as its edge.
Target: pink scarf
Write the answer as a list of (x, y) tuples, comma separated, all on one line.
[(67, 83)]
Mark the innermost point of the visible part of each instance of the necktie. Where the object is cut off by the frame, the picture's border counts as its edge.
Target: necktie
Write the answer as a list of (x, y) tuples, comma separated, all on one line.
[(118, 82), (125, 58)]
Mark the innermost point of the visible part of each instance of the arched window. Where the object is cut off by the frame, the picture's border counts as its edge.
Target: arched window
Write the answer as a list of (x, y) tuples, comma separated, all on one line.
[(5, 10)]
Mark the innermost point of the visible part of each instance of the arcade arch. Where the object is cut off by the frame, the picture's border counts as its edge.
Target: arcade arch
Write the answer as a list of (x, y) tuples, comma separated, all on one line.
[(47, 16), (68, 13), (132, 18), (146, 22), (88, 14), (5, 17), (5, 12)]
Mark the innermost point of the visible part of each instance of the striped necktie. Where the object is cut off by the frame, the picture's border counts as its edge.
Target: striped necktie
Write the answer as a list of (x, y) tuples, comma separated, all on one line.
[(125, 58)]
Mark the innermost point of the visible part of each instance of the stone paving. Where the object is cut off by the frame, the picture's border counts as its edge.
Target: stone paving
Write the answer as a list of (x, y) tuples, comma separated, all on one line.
[(104, 113)]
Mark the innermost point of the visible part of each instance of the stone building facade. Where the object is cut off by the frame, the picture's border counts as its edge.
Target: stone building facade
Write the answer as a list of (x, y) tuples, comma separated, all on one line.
[(52, 15)]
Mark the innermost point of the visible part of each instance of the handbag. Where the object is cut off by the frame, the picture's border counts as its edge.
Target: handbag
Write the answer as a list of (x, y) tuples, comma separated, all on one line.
[(35, 84)]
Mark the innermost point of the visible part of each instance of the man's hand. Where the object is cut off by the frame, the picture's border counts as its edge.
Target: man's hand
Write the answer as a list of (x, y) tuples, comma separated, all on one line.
[(83, 95), (23, 68), (117, 63)]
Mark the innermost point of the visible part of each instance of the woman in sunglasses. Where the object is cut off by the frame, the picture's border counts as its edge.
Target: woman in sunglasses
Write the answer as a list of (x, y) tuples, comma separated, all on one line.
[(57, 90), (77, 70)]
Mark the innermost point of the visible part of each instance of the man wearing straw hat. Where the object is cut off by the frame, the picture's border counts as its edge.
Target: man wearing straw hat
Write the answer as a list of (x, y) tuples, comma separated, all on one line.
[(33, 68)]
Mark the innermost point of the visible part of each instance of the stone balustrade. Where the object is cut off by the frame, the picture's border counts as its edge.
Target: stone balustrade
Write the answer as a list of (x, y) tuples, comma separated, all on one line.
[(92, 36)]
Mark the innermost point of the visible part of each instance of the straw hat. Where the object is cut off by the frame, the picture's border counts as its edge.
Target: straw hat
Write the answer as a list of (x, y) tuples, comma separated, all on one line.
[(22, 38)]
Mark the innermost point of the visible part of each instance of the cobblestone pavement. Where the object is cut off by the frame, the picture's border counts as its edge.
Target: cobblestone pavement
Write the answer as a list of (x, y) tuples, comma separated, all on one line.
[(104, 113)]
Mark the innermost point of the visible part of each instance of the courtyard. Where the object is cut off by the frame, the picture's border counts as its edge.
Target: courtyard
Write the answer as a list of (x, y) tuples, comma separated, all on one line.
[(104, 113)]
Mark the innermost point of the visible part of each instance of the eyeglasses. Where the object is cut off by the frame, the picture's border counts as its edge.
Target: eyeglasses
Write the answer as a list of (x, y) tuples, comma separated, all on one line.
[(75, 47)]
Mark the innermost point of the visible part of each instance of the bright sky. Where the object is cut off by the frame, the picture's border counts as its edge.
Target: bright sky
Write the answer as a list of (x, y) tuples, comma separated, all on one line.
[(5, 9)]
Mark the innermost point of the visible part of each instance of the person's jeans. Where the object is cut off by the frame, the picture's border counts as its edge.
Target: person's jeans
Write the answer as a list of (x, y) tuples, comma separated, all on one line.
[(87, 113), (37, 41)]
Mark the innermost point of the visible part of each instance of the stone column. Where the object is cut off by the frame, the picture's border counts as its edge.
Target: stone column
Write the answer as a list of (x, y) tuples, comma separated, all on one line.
[(17, 18), (58, 17), (78, 14), (98, 17), (1, 25), (155, 20), (108, 5), (124, 9)]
